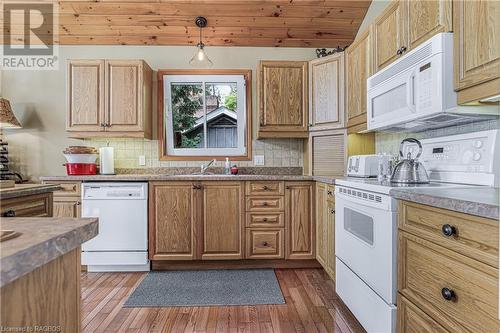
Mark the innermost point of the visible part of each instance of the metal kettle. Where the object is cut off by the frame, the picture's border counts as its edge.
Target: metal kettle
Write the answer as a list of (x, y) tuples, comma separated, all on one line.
[(410, 170)]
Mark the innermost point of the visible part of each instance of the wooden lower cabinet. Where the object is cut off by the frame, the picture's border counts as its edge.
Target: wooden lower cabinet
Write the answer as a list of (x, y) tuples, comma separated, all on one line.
[(299, 220), (325, 227), (456, 289), (67, 200), (264, 243), (216, 221), (413, 320), (38, 205), (223, 220), (172, 221)]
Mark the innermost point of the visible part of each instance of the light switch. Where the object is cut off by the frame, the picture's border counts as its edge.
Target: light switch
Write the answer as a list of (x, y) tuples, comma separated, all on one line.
[(258, 160), (142, 160)]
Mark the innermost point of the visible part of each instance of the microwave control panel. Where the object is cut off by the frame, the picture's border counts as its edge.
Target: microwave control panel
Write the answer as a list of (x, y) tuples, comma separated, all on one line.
[(425, 85)]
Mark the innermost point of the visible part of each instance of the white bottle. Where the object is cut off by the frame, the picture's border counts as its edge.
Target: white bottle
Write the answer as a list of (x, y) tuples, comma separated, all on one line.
[(227, 167)]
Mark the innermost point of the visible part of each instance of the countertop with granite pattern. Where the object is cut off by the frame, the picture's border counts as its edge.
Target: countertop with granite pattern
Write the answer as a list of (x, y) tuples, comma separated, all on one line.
[(42, 239), (193, 177), (21, 190), (475, 200)]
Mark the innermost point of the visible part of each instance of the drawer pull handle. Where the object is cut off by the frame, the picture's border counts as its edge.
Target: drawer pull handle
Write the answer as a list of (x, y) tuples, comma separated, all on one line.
[(265, 188), (265, 219), (333, 211), (329, 192), (448, 294), (264, 243), (448, 230), (9, 213), (264, 204)]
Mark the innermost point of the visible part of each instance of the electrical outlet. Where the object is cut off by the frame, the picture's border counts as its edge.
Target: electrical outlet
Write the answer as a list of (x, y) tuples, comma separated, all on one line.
[(142, 160), (258, 160)]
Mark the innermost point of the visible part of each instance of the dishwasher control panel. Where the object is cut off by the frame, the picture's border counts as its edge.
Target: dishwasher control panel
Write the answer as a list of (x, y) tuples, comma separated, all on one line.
[(113, 191)]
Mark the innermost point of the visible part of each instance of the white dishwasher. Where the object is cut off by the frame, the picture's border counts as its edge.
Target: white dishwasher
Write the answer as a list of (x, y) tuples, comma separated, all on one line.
[(122, 241)]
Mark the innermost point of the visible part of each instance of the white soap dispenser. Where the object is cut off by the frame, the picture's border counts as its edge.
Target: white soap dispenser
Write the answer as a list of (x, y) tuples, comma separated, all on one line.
[(227, 167)]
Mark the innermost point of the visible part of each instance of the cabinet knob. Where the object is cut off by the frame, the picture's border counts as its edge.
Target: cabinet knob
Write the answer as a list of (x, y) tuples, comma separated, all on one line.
[(264, 243), (403, 49), (329, 193), (9, 213), (264, 219), (265, 188), (264, 203), (448, 294), (448, 230), (78, 203), (287, 187), (332, 211), (103, 125)]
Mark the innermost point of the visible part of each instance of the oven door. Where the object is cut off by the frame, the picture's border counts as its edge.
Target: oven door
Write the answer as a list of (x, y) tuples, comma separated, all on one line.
[(365, 240)]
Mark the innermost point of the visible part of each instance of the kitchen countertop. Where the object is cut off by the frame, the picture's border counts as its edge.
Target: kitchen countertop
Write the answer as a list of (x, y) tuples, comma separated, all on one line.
[(151, 177), (21, 190), (42, 239), (475, 200)]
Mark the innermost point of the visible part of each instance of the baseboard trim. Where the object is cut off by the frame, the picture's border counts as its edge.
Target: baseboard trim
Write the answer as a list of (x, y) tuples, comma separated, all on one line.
[(232, 264)]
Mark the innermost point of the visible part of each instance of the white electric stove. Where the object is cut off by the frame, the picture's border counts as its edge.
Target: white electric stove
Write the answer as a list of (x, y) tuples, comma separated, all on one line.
[(366, 222)]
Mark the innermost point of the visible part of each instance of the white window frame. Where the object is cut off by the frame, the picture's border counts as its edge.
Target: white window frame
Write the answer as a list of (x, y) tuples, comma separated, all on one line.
[(241, 115)]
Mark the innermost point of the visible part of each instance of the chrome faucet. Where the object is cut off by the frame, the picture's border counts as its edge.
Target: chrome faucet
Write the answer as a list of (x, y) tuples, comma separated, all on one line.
[(204, 167)]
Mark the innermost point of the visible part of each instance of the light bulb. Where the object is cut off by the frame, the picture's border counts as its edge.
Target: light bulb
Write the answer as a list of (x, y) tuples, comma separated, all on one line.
[(200, 58)]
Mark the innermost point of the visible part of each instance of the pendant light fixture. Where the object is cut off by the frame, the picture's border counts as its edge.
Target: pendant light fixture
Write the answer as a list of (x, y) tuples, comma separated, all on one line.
[(200, 58)]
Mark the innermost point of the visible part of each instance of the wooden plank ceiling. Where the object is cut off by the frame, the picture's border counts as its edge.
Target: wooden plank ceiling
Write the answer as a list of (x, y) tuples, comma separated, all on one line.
[(289, 23)]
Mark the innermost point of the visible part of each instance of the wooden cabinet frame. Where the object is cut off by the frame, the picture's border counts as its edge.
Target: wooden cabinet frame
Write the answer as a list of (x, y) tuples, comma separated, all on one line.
[(162, 150)]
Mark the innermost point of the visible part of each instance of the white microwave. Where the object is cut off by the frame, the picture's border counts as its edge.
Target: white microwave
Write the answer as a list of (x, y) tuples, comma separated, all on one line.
[(416, 92)]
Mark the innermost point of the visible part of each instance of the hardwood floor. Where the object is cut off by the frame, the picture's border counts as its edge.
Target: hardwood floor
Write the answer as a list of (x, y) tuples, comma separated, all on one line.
[(311, 306)]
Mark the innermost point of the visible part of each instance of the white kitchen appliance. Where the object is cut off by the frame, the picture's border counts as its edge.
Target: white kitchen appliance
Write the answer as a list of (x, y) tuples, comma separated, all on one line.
[(366, 222), (362, 166), (416, 91), (122, 241)]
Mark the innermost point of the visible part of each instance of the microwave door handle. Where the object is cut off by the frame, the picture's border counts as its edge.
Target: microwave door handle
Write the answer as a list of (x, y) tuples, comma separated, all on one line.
[(410, 92)]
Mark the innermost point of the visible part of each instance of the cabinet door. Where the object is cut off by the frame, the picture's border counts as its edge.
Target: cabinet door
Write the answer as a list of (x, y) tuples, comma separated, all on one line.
[(173, 208), (66, 207), (359, 68), (327, 153), (124, 95), (85, 95), (426, 18), (327, 92), (283, 101), (321, 224), (299, 221), (477, 50), (389, 34), (330, 245), (223, 218)]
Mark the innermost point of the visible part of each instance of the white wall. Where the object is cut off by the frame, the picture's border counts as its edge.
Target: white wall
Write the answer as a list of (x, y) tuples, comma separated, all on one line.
[(39, 101)]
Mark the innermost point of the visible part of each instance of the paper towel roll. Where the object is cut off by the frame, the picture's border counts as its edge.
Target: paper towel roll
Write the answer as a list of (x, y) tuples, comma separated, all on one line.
[(107, 160)]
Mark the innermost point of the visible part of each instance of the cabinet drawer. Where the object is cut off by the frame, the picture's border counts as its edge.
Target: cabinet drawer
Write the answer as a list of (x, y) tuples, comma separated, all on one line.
[(458, 292), (264, 243), (265, 220), (255, 204), (265, 188), (68, 189), (39, 205), (412, 319), (472, 236)]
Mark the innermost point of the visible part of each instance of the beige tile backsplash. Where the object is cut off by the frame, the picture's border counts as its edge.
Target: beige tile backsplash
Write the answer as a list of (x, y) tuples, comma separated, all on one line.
[(277, 153)]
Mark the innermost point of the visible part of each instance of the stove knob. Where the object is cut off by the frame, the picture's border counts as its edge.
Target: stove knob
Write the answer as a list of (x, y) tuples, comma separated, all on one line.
[(476, 157), (478, 144)]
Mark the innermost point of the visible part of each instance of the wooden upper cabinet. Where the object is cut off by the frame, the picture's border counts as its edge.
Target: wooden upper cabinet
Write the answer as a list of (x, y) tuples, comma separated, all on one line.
[(123, 96), (283, 102), (358, 69), (426, 18), (327, 92), (85, 95), (477, 50), (223, 220), (172, 221), (299, 220), (110, 98), (389, 35)]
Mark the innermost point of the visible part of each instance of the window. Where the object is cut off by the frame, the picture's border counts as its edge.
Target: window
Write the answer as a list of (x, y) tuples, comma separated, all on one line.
[(205, 114)]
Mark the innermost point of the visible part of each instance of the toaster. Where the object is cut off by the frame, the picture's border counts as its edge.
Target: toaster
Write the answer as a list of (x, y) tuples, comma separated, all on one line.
[(362, 166)]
